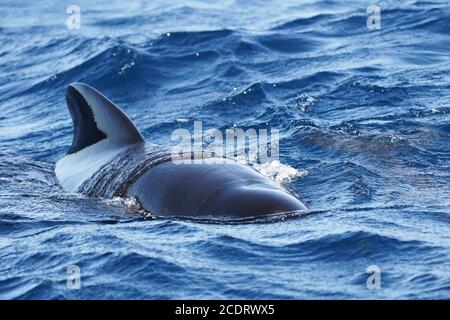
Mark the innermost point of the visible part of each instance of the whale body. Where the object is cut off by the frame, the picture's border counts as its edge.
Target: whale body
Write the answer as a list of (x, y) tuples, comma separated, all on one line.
[(109, 157)]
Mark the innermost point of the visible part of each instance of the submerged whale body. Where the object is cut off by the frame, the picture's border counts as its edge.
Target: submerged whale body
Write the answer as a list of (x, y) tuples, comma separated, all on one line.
[(109, 157)]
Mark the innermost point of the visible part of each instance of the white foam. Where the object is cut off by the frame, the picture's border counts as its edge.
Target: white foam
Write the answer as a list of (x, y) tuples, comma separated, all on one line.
[(273, 169), (305, 102), (279, 172), (131, 203)]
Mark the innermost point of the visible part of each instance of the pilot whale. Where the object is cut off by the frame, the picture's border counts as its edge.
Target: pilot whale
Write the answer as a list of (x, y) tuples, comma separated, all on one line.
[(109, 157)]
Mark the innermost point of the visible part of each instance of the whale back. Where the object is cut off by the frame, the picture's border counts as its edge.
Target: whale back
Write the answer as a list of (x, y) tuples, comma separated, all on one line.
[(100, 132)]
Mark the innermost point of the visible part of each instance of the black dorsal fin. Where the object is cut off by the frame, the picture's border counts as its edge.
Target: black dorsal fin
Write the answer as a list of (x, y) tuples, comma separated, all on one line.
[(95, 118)]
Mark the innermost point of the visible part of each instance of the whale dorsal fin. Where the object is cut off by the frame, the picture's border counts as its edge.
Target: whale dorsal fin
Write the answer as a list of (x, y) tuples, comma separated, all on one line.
[(96, 118)]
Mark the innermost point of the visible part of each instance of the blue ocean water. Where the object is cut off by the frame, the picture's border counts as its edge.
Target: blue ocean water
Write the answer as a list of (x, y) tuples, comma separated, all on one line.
[(366, 113)]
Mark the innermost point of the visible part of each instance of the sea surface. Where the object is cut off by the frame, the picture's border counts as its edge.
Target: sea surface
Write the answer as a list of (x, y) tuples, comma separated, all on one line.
[(364, 120)]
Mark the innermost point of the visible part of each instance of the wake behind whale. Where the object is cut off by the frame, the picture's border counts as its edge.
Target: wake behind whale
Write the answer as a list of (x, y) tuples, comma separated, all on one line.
[(109, 157)]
